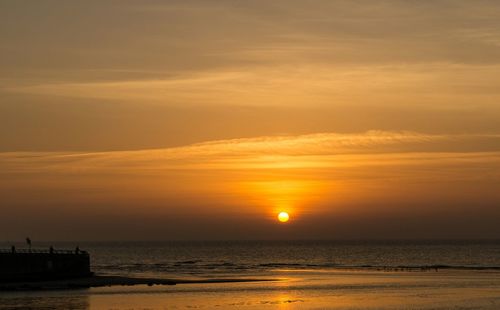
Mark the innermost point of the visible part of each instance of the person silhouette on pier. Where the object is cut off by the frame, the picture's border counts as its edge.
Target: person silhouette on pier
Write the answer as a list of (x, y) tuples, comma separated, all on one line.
[(28, 241)]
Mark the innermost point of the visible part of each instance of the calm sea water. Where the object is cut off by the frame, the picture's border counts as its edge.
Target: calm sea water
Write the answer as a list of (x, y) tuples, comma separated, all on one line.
[(207, 259)]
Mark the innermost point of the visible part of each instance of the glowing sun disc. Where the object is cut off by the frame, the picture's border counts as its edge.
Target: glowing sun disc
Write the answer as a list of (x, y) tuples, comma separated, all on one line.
[(283, 217)]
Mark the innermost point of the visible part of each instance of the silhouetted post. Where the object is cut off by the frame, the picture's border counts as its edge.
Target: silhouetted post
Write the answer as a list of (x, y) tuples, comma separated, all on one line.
[(77, 250), (13, 249), (51, 250)]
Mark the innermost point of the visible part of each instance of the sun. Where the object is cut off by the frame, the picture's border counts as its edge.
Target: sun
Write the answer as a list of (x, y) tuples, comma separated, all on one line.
[(283, 217)]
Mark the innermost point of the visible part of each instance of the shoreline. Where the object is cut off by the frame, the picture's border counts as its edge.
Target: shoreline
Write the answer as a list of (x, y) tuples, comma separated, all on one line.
[(464, 289), (103, 281)]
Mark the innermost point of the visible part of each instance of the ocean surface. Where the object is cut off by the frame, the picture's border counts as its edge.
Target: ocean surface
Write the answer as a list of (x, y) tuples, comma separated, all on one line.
[(305, 274), (208, 259)]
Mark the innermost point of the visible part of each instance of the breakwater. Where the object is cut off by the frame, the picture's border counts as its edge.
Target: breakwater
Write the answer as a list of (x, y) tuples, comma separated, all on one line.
[(25, 265)]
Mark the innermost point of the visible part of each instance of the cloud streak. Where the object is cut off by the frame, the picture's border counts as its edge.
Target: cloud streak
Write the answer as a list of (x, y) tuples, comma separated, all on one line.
[(321, 150), (303, 84), (332, 176)]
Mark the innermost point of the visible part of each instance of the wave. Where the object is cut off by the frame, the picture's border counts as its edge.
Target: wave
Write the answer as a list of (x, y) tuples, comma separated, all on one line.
[(198, 266)]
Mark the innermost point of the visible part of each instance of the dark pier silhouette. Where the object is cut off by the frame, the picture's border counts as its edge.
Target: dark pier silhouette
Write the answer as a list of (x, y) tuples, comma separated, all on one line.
[(33, 269), (40, 265)]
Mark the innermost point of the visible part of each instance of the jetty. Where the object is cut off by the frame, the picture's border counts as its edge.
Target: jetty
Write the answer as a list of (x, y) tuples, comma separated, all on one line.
[(33, 269), (42, 265)]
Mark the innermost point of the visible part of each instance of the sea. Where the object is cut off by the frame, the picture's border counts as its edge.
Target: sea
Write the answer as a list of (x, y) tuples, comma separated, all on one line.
[(360, 274)]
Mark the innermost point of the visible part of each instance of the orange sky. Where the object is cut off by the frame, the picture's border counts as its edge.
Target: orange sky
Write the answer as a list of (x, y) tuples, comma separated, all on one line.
[(202, 120)]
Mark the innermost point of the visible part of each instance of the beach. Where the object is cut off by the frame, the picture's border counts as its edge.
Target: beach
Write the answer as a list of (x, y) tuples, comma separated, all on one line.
[(292, 289), (108, 281)]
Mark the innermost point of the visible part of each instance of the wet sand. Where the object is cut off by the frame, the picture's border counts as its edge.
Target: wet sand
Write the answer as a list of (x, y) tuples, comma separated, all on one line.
[(296, 289), (103, 281)]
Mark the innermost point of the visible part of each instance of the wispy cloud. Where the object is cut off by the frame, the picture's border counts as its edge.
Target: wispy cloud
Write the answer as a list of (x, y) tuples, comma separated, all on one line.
[(438, 84), (303, 151)]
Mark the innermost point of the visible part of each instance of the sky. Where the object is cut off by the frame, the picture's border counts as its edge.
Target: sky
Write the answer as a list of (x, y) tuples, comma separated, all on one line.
[(194, 120)]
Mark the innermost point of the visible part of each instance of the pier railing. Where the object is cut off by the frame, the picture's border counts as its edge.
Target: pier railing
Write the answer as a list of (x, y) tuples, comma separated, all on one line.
[(43, 251), (42, 264)]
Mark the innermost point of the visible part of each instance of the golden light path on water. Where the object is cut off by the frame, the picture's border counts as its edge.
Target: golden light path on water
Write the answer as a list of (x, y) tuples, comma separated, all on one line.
[(300, 291)]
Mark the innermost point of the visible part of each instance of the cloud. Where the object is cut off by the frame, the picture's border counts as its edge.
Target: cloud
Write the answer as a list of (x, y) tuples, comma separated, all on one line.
[(332, 176), (321, 150), (260, 53), (301, 85)]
